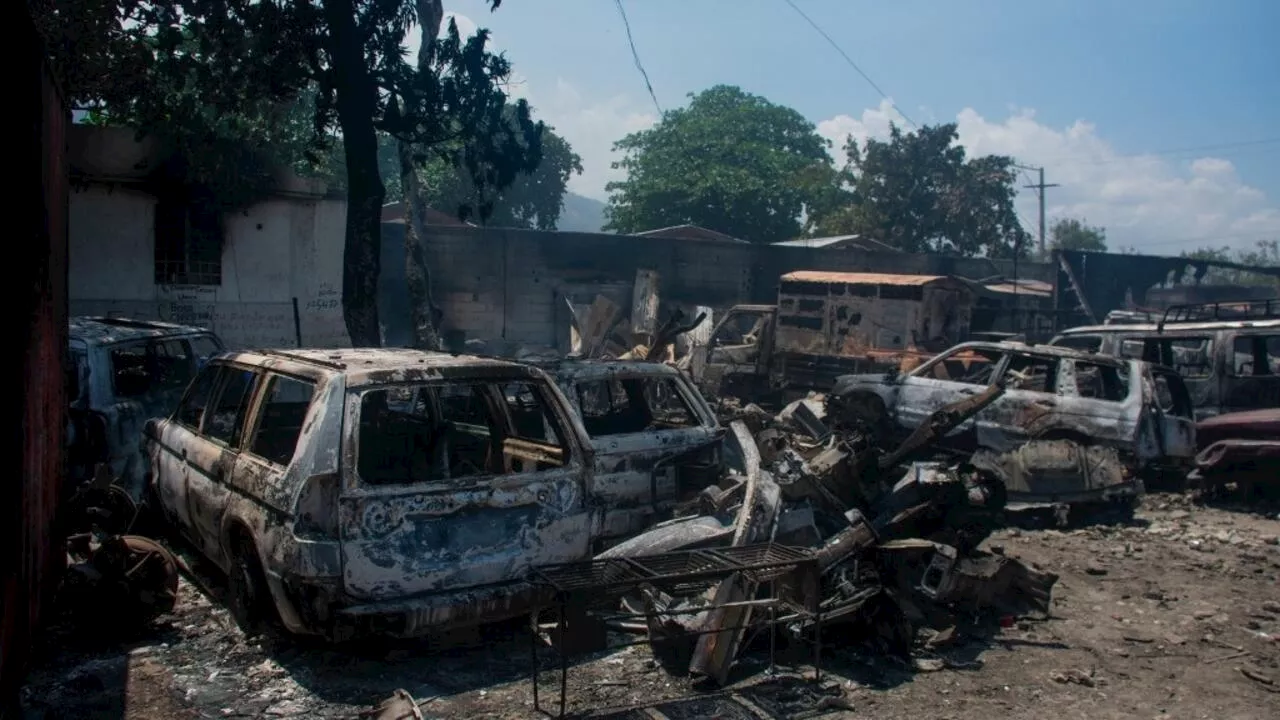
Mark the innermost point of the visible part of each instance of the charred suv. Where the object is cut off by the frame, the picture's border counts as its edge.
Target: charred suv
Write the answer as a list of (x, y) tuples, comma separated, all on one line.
[(121, 372), (392, 491), (1070, 426)]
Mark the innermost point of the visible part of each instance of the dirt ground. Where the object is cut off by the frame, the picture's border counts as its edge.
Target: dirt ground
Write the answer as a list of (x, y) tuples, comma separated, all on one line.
[(1176, 615)]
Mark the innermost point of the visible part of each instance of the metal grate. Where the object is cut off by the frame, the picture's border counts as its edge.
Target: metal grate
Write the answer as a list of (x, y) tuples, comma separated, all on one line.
[(676, 571)]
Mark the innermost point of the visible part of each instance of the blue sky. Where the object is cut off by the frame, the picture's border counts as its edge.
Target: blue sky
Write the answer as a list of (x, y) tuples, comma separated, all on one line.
[(1107, 94)]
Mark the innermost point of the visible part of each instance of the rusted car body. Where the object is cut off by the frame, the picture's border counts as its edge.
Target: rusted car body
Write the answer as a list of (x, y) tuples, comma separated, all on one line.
[(828, 324), (1052, 395), (1228, 365), (384, 491), (1242, 447), (652, 434), (121, 373)]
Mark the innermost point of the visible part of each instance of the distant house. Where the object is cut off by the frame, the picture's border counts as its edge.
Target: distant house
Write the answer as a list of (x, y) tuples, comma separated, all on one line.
[(689, 232), (269, 274), (839, 242)]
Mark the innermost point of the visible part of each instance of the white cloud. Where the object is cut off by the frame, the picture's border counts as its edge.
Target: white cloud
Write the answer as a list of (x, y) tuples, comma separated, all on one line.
[(591, 127), (1157, 204)]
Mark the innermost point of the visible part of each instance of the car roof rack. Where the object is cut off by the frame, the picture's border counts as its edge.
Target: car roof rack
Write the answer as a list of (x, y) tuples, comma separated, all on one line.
[(1226, 310)]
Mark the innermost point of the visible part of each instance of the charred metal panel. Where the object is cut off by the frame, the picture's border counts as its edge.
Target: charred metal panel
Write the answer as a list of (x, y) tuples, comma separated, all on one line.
[(831, 316), (397, 543)]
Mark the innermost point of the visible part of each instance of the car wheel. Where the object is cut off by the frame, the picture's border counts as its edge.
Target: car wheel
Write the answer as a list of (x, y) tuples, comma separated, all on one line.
[(248, 598)]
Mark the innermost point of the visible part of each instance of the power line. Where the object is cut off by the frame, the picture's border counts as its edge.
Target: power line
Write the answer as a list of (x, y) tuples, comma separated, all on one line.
[(883, 95), (1172, 151), (636, 57)]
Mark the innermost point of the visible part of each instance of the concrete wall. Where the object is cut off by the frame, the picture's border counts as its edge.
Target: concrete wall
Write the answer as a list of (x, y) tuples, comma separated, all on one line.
[(502, 284), (285, 248)]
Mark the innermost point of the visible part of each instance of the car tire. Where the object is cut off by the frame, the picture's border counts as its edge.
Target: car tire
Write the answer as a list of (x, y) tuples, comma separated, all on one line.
[(248, 598)]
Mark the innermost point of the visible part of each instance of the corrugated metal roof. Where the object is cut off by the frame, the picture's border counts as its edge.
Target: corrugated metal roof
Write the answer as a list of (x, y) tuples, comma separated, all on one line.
[(850, 278), (817, 242), (1021, 289)]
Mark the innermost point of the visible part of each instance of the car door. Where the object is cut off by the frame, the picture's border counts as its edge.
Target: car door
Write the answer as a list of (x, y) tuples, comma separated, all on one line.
[(173, 440), (448, 494), (951, 376), (1174, 414), (647, 432), (262, 468), (1030, 381), (739, 350), (212, 455)]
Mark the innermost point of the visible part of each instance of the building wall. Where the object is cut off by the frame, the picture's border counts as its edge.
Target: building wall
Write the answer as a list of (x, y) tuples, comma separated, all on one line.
[(503, 284), (283, 249)]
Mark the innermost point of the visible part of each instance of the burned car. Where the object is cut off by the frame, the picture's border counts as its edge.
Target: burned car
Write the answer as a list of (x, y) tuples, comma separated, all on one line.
[(1069, 427), (652, 433), (384, 491), (121, 373)]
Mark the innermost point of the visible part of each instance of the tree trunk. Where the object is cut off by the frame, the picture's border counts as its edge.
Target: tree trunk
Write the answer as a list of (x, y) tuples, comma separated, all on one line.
[(357, 97), (422, 309)]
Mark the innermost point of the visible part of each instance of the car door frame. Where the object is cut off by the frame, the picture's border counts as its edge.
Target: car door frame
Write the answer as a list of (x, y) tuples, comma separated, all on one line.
[(512, 522), (211, 465), (934, 393), (169, 466), (632, 471)]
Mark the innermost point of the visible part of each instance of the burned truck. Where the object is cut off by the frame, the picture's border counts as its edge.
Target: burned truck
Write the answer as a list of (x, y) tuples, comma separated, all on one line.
[(828, 324), (1064, 415)]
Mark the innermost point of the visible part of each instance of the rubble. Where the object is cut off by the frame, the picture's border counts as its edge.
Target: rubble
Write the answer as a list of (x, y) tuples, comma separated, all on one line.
[(894, 538)]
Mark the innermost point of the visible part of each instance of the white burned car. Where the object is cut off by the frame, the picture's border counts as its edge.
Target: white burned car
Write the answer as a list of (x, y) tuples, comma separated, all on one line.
[(386, 491)]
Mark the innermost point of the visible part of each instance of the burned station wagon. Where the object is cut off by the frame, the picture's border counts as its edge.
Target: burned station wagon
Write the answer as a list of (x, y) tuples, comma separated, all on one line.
[(1140, 411), (381, 491)]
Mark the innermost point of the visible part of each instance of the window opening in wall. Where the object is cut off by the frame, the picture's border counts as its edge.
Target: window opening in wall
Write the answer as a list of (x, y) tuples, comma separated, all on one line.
[(188, 243)]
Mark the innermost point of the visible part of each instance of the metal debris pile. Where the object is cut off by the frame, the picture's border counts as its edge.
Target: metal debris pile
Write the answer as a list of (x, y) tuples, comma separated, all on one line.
[(895, 539), (126, 579)]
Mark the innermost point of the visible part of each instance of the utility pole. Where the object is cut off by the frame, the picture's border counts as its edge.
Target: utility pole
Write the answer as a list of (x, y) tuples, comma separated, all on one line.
[(1040, 188)]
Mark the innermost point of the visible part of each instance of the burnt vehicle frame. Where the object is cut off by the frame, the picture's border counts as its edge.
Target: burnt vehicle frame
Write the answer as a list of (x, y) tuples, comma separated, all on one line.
[(1227, 353), (122, 372), (651, 433), (363, 524), (1061, 401)]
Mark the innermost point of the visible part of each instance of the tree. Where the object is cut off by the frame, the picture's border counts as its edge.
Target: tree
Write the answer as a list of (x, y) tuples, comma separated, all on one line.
[(919, 192), (730, 161), (1073, 234), (534, 200), (162, 63)]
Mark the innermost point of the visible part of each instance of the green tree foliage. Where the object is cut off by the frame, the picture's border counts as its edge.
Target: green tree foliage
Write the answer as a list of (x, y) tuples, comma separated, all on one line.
[(730, 161), (1266, 253), (1073, 234), (919, 192), (533, 200), (220, 64)]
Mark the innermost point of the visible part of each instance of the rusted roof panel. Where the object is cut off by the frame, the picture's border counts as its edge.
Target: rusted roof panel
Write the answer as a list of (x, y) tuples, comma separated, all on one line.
[(822, 276), (1022, 288)]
